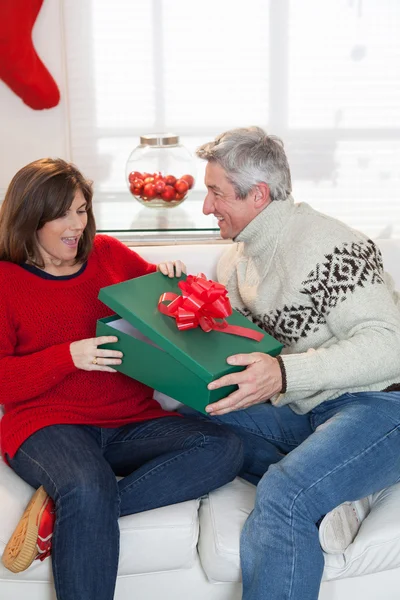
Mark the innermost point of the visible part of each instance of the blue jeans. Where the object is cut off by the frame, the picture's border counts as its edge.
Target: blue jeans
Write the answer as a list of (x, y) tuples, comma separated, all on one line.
[(163, 461), (344, 449)]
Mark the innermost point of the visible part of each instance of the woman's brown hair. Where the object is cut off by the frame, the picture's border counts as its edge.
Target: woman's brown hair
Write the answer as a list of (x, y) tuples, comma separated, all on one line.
[(38, 193)]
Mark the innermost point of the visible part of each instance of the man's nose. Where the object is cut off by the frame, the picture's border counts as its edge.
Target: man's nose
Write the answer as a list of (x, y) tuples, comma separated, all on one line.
[(208, 205)]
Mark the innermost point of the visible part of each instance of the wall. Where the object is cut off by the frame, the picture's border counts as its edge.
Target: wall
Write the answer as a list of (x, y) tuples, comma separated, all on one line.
[(331, 92), (27, 134)]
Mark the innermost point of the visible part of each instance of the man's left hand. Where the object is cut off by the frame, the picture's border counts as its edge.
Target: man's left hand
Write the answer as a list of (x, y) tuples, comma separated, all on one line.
[(261, 379)]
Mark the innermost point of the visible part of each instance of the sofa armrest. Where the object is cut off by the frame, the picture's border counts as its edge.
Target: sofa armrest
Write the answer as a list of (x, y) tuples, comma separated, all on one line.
[(15, 494), (377, 545)]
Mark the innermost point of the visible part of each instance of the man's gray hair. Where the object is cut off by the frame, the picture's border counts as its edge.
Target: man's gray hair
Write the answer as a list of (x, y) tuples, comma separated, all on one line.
[(249, 156)]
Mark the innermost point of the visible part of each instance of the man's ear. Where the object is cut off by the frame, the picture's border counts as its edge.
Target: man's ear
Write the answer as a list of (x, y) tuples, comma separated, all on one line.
[(262, 196)]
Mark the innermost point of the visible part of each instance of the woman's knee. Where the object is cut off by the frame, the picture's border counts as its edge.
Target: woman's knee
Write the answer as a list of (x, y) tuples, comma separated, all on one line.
[(224, 447), (89, 488)]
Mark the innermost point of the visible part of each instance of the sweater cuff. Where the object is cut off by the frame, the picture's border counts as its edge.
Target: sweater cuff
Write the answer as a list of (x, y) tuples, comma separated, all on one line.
[(283, 373), (300, 371)]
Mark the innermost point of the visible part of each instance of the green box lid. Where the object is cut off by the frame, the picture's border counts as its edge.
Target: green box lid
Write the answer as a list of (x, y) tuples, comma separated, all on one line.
[(203, 353)]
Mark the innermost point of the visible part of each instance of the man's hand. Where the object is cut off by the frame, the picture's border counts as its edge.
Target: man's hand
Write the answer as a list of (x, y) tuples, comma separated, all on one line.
[(261, 379)]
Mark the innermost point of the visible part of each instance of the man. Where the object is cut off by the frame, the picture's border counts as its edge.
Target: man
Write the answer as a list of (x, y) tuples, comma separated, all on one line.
[(320, 423)]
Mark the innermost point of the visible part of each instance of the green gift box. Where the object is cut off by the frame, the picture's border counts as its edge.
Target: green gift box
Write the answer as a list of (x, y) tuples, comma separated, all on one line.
[(177, 363)]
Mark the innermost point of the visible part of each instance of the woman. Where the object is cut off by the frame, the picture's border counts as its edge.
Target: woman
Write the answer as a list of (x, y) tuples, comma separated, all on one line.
[(71, 422)]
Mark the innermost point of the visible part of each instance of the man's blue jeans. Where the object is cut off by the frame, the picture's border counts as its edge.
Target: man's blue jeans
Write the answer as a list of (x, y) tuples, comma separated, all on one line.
[(344, 449), (163, 461)]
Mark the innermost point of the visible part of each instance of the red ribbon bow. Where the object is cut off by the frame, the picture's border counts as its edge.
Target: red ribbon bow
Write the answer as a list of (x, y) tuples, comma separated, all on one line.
[(201, 303)]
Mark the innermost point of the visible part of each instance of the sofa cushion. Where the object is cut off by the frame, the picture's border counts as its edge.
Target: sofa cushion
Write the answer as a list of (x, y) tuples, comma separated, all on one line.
[(164, 539), (223, 513), (157, 540), (377, 545)]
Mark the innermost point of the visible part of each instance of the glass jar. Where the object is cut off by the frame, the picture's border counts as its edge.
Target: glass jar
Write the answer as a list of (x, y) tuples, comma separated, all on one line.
[(160, 172)]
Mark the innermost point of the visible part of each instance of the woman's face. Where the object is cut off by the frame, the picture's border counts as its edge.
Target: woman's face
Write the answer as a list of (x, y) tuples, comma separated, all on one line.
[(58, 239)]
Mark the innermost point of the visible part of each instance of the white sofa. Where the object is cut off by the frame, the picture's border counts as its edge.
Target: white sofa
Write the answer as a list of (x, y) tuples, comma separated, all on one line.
[(189, 551)]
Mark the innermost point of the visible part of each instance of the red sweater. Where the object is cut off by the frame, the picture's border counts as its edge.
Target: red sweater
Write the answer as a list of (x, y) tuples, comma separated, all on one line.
[(39, 318)]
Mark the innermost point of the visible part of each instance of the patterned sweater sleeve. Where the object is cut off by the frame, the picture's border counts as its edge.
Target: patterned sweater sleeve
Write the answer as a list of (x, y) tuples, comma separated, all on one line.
[(361, 313)]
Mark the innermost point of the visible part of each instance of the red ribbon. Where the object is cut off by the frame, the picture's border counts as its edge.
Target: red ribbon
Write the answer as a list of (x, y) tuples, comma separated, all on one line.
[(201, 303)]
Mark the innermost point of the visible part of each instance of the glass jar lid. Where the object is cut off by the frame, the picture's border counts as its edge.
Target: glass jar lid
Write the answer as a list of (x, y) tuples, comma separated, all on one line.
[(159, 139)]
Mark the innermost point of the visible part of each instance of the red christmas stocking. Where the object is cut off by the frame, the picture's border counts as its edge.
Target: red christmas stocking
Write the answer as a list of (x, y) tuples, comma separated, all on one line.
[(20, 67)]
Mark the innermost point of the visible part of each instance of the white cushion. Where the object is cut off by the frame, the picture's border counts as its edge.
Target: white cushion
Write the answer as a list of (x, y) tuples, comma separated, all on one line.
[(163, 539), (222, 515), (377, 545), (224, 511), (157, 540)]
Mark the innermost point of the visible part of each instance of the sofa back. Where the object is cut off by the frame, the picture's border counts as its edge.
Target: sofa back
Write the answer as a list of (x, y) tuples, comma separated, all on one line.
[(204, 257)]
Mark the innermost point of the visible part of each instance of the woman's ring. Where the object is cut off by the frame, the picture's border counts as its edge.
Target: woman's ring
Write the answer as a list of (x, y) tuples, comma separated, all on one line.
[(94, 361)]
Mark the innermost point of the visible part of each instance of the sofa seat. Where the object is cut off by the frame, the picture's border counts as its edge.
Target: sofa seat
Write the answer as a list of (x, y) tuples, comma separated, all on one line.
[(224, 511), (159, 540), (167, 539)]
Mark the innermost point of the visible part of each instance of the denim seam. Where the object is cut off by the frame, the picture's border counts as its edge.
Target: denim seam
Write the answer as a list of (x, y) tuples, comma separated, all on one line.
[(268, 438), (154, 437), (39, 466), (32, 460), (56, 574), (161, 465), (321, 479)]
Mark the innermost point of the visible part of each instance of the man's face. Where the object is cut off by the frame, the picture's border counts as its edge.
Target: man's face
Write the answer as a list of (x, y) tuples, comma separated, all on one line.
[(233, 214)]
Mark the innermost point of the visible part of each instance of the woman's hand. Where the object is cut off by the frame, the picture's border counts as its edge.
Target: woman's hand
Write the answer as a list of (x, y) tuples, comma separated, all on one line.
[(172, 268), (87, 356)]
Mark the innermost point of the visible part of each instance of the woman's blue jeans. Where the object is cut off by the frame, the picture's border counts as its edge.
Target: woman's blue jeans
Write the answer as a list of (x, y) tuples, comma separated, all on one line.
[(342, 450), (163, 461)]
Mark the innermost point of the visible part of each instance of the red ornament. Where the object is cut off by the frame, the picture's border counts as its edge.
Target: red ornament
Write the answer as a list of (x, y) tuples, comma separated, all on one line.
[(134, 175), (149, 190), (189, 179), (138, 184), (160, 186), (170, 179), (181, 186), (169, 193)]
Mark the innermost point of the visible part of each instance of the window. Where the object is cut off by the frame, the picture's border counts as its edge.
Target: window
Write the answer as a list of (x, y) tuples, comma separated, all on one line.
[(324, 76)]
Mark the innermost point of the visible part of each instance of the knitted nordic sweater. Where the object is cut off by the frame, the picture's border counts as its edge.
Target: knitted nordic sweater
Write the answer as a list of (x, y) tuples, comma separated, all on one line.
[(318, 287), (39, 318)]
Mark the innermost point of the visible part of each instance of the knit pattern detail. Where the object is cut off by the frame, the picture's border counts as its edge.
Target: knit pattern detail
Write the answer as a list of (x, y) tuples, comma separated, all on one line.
[(347, 267)]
